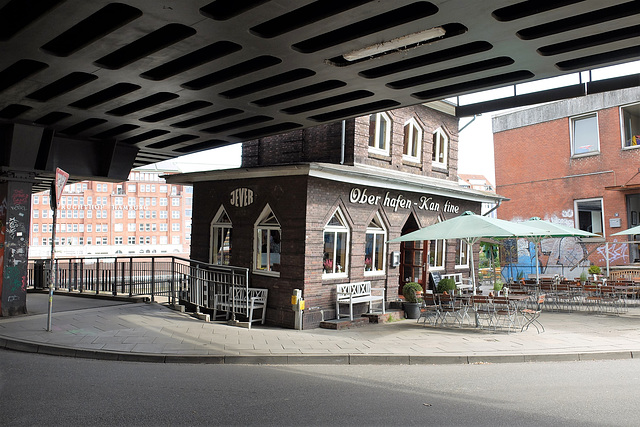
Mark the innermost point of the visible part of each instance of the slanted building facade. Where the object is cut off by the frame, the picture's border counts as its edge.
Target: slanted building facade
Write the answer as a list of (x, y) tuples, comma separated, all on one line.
[(314, 208)]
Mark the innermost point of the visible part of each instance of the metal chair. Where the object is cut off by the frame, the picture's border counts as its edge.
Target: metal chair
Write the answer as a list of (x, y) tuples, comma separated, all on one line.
[(430, 310), (532, 315)]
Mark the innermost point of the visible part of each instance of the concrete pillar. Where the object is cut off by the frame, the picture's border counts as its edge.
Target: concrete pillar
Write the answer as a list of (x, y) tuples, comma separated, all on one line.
[(15, 215)]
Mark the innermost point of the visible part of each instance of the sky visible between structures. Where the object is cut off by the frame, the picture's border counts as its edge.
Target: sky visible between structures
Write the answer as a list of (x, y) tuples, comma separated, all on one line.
[(475, 145)]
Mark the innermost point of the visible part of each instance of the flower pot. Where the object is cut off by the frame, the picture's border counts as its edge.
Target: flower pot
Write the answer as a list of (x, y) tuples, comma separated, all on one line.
[(411, 310)]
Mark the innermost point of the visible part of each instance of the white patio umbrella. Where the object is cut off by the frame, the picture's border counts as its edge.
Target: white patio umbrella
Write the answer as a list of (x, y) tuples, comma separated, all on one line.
[(470, 228), (546, 229), (628, 231)]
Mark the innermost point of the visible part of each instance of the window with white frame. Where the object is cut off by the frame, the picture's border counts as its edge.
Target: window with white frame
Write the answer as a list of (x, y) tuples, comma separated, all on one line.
[(379, 133), (220, 246), (440, 151), (462, 254), (267, 241), (374, 253), (131, 240), (589, 215), (117, 240), (412, 141), (436, 254), (584, 134), (175, 240), (336, 245), (117, 227), (36, 213), (630, 116), (175, 226), (36, 228)]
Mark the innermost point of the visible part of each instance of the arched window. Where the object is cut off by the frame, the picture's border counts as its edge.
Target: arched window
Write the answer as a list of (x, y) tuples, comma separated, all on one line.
[(374, 253), (220, 235), (267, 243), (440, 153), (336, 245), (379, 133), (412, 141)]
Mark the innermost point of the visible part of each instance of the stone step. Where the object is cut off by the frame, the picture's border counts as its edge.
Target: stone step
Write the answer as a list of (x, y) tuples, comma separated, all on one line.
[(365, 319)]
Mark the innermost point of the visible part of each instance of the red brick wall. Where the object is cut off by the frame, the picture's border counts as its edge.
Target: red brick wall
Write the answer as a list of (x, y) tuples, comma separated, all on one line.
[(535, 170)]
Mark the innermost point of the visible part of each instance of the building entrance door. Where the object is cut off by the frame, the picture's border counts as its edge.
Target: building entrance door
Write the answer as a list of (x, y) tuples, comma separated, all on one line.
[(413, 258)]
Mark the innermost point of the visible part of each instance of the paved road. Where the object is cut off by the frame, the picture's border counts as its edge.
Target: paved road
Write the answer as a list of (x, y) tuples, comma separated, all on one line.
[(40, 390)]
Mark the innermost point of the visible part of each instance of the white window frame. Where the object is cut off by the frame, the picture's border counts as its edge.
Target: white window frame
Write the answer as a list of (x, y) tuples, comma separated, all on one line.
[(440, 138), (263, 224), (572, 124), (460, 244), (412, 132), (632, 122), (440, 246), (377, 136), (378, 231), (336, 271), (577, 212), (220, 226)]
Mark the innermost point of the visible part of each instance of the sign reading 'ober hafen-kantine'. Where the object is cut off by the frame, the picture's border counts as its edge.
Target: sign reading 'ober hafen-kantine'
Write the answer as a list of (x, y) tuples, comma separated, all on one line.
[(359, 195)]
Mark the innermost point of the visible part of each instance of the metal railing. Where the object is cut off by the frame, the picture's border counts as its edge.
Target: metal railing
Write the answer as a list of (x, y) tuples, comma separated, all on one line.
[(176, 278)]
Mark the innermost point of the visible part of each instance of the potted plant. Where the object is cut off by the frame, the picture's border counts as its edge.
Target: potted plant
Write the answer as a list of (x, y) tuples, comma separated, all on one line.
[(583, 278), (447, 285), (497, 287), (595, 270), (327, 266), (412, 302)]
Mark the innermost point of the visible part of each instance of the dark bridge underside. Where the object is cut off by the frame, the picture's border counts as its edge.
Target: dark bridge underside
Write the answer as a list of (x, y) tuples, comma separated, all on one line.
[(114, 85)]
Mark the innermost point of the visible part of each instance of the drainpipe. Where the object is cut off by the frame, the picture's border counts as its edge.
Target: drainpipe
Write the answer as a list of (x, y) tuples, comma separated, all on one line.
[(342, 142), (470, 121), (494, 208)]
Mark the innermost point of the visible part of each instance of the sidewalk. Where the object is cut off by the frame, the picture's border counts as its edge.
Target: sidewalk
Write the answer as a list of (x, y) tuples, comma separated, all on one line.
[(152, 332)]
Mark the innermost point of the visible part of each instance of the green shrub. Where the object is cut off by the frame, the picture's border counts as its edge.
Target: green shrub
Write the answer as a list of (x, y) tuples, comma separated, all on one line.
[(409, 291), (497, 286), (594, 269), (447, 284), (583, 277)]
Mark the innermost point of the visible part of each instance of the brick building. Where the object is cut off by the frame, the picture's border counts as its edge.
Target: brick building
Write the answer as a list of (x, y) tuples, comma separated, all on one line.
[(313, 208), (574, 162), (143, 215)]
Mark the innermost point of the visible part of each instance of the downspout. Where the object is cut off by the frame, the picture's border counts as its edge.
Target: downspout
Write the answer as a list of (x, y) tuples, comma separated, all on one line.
[(469, 122), (342, 142), (494, 208)]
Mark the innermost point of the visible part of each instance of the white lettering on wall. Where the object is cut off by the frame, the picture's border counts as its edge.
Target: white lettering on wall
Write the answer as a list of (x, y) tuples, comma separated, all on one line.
[(241, 197), (360, 196)]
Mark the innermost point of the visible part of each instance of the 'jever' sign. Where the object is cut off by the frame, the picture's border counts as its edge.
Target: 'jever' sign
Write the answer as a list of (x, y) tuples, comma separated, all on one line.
[(359, 195), (241, 197)]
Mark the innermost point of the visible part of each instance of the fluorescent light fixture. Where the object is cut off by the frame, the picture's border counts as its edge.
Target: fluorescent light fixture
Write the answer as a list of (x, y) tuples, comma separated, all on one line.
[(394, 44)]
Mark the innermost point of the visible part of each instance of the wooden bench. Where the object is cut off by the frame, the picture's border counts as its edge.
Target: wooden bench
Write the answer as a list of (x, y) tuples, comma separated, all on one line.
[(356, 293), (236, 300)]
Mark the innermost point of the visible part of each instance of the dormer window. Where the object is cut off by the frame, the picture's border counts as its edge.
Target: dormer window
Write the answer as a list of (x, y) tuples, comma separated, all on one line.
[(412, 141), (379, 133)]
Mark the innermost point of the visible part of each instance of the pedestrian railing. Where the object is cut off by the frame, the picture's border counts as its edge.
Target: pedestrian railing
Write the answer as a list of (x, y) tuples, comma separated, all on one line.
[(179, 279)]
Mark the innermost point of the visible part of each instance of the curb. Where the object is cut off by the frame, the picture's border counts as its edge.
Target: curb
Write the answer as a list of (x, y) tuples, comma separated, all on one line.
[(346, 359)]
